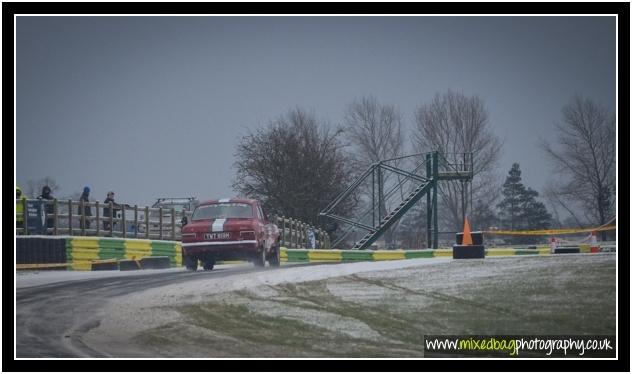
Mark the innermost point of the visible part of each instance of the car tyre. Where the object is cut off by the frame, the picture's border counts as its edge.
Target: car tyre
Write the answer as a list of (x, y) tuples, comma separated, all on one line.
[(191, 263), (208, 264), (260, 260), (275, 257)]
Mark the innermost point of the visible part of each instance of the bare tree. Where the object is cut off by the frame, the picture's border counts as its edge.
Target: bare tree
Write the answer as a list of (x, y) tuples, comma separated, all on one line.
[(584, 153), (558, 199), (34, 187), (295, 166), (453, 123), (374, 131)]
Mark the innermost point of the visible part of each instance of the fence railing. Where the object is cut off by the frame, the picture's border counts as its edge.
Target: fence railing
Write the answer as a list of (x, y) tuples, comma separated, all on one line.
[(79, 218), (296, 234)]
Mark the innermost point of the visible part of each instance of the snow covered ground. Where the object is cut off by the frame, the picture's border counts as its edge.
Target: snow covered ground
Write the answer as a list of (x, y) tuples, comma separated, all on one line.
[(369, 309), (287, 273)]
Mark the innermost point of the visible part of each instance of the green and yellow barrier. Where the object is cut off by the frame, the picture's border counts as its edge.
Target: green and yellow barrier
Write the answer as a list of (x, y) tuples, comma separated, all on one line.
[(337, 255), (356, 256), (419, 254), (388, 255), (324, 255), (137, 249), (169, 249), (81, 252), (442, 253), (501, 252)]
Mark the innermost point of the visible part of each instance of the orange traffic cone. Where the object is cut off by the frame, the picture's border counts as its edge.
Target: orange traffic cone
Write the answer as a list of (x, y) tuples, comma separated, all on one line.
[(467, 249), (467, 234)]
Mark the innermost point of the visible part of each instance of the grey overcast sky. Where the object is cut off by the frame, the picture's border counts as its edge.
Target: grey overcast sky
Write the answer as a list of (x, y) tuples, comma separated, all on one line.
[(153, 106)]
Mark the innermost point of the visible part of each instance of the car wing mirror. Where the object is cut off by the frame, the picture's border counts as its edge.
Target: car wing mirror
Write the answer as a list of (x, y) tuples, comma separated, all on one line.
[(184, 220)]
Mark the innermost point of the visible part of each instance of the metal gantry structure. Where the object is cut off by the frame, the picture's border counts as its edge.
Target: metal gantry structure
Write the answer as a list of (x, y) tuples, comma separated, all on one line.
[(388, 202)]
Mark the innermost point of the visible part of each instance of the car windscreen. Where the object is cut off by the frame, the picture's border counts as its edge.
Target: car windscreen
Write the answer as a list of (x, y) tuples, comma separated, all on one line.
[(177, 207), (222, 210)]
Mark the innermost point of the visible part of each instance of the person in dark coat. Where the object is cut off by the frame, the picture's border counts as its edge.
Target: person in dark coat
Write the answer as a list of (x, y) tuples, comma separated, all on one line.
[(106, 210), (87, 210), (48, 206)]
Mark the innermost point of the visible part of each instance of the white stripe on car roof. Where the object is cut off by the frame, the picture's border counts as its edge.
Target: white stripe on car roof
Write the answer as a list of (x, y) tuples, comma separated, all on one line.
[(224, 200)]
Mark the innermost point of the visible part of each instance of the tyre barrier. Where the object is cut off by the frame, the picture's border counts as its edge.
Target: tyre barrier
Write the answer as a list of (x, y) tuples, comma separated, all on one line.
[(88, 253), (40, 250), (104, 265), (324, 255), (80, 252), (157, 262), (608, 248), (128, 265), (166, 248), (562, 250), (295, 255), (61, 266), (473, 249), (337, 255), (161, 262), (468, 251)]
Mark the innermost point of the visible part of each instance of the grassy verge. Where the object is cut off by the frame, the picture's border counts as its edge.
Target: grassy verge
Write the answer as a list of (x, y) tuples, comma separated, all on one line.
[(386, 314)]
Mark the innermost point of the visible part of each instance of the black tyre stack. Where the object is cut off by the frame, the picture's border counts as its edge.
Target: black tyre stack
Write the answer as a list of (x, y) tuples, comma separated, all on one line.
[(476, 250), (34, 250)]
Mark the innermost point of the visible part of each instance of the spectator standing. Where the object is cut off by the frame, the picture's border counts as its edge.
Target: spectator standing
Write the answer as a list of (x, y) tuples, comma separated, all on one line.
[(48, 207), (19, 207), (87, 210), (106, 210), (311, 238)]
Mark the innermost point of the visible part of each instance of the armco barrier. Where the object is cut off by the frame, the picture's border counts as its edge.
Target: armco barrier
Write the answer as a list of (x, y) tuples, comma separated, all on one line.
[(80, 252)]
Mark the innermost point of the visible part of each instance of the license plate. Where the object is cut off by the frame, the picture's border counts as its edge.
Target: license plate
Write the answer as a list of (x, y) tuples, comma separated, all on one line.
[(217, 235)]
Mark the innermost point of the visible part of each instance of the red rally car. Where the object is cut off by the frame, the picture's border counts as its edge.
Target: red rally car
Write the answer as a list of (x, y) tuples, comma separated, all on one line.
[(229, 229)]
